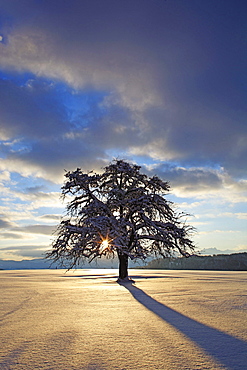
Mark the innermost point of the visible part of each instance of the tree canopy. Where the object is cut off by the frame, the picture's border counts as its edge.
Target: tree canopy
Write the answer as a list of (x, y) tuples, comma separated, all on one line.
[(119, 212)]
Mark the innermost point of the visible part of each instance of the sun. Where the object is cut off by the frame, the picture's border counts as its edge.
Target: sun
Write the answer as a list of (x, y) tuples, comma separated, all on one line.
[(104, 245)]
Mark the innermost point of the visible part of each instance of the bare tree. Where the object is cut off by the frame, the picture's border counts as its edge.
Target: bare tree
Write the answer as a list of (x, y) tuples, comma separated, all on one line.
[(119, 212)]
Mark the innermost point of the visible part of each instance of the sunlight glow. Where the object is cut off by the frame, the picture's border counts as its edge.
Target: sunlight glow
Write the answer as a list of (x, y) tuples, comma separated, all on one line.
[(104, 245)]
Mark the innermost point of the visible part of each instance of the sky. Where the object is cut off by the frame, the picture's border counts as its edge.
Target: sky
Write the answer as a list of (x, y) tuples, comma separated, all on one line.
[(158, 83)]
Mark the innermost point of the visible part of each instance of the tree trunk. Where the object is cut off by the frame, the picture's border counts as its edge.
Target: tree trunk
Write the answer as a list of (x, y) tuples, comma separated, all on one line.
[(123, 266)]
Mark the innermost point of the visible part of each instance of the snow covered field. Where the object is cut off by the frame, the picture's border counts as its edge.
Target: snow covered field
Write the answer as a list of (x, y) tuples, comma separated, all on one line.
[(83, 319)]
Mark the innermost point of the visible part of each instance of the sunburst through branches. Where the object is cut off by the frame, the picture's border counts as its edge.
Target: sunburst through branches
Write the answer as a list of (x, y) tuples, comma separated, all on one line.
[(105, 245)]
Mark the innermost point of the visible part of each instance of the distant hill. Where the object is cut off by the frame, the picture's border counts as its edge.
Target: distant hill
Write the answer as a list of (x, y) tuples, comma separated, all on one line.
[(227, 262), (40, 263), (213, 251), (234, 262), (37, 263)]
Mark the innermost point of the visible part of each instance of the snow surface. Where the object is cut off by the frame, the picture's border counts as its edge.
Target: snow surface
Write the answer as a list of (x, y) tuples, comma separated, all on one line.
[(83, 319)]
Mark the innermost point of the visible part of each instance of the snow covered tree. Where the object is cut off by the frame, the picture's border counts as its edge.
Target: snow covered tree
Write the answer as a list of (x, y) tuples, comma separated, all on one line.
[(119, 212)]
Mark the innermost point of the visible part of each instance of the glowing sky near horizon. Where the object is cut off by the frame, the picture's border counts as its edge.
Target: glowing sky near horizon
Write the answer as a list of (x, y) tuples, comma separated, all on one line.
[(160, 83)]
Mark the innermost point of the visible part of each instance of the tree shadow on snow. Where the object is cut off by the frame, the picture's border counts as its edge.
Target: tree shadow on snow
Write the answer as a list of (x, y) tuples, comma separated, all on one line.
[(228, 350)]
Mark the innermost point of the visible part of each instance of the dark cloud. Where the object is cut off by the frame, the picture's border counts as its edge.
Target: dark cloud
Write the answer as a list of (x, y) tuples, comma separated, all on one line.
[(60, 144), (18, 247), (4, 224), (170, 73), (34, 189), (36, 229), (30, 113), (31, 251), (10, 235), (191, 181), (50, 218), (12, 231)]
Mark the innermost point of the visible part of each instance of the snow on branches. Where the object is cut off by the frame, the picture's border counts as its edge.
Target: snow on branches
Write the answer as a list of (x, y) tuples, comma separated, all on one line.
[(119, 212)]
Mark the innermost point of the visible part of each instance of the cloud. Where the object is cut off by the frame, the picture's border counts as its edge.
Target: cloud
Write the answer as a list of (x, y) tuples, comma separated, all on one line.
[(242, 215), (32, 111), (12, 235), (25, 232), (36, 229), (157, 82), (165, 90), (219, 232), (58, 139), (239, 215), (30, 251), (201, 182), (226, 251), (4, 177), (50, 218), (40, 136), (32, 199), (4, 224), (39, 199)]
